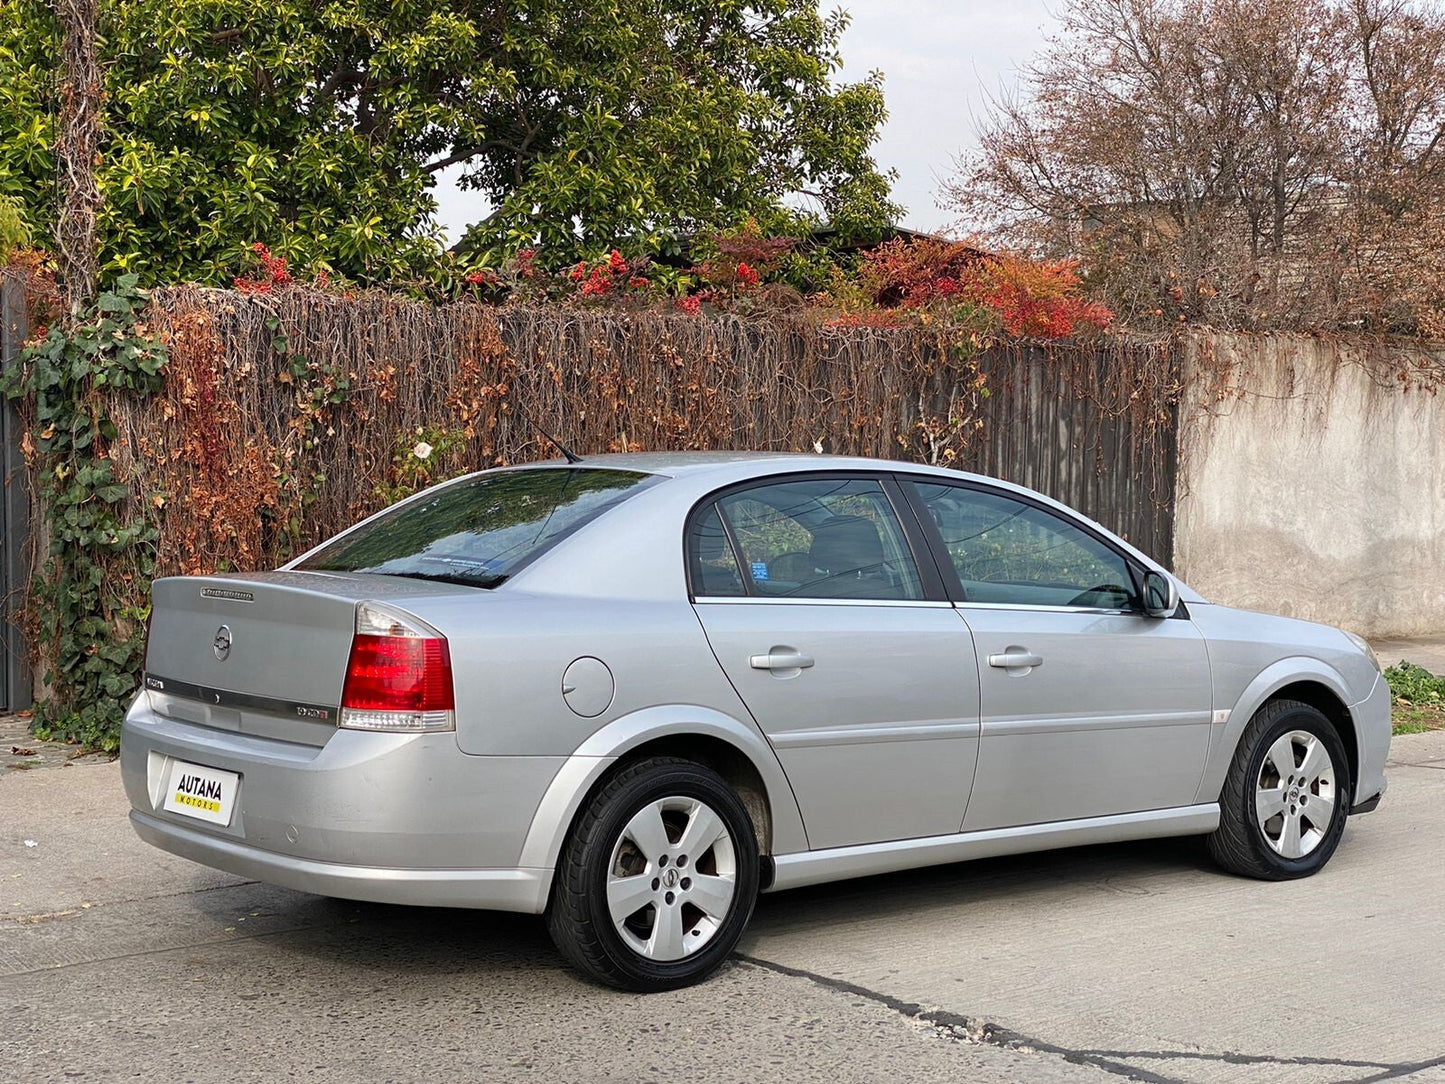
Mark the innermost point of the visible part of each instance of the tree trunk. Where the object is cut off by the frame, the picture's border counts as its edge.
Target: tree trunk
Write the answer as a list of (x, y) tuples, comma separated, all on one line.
[(77, 146)]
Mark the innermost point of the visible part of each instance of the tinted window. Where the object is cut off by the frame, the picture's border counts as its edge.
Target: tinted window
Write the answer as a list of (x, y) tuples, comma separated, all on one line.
[(481, 530), (1006, 551), (714, 566), (821, 538)]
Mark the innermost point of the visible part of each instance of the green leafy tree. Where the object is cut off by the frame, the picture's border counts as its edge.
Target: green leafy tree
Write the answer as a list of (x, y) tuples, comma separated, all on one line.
[(319, 128), (13, 230)]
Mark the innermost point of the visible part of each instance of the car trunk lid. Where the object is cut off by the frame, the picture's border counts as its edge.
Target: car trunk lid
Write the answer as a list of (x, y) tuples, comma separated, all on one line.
[(264, 653)]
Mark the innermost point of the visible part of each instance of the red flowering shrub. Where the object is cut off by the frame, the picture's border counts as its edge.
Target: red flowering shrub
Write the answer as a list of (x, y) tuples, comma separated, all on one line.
[(725, 276), (615, 274), (1036, 300), (271, 273), (913, 274), (598, 283), (896, 283), (1026, 298)]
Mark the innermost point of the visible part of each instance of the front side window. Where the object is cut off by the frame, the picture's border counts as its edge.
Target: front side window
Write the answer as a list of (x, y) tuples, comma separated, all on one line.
[(835, 538), (480, 530), (1009, 552)]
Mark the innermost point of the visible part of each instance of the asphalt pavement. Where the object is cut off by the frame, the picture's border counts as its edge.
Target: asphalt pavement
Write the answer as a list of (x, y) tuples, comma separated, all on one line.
[(1137, 961)]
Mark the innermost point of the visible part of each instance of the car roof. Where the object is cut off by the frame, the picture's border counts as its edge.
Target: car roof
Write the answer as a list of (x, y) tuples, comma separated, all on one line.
[(736, 464)]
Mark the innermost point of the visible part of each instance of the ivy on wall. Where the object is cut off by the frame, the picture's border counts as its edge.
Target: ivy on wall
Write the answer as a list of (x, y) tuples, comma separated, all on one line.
[(89, 598)]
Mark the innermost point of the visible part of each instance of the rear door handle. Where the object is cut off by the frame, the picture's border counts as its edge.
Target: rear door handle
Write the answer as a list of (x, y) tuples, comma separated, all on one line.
[(781, 659), (1015, 659)]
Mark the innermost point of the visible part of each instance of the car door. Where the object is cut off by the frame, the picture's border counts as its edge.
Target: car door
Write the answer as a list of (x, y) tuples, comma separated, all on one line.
[(1088, 707), (845, 649)]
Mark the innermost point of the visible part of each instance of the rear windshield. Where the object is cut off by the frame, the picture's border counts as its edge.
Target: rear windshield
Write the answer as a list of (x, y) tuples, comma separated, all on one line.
[(479, 531)]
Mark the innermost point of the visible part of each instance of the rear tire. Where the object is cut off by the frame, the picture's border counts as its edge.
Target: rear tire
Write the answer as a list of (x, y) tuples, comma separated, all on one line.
[(1286, 796), (657, 879)]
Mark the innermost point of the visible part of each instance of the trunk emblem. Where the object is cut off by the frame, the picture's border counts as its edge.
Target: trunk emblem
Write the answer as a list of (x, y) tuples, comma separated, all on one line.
[(221, 645)]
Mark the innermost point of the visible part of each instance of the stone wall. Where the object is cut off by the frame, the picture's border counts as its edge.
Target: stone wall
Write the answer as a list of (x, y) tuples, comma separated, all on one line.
[(1312, 480)]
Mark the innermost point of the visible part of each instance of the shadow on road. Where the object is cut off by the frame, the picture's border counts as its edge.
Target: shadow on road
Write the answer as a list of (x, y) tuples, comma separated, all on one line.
[(1118, 867), (422, 941)]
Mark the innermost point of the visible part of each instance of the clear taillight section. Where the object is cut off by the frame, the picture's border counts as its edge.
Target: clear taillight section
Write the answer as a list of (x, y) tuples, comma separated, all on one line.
[(399, 675)]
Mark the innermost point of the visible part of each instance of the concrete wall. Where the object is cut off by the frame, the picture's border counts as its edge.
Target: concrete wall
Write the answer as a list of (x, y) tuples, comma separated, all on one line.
[(1312, 480)]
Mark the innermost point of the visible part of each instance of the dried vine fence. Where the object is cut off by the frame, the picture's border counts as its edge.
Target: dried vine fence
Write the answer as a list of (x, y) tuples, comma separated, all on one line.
[(285, 417)]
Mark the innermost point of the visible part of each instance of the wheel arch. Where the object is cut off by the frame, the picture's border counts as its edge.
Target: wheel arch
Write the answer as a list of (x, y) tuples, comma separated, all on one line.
[(1329, 704), (1310, 681), (736, 751)]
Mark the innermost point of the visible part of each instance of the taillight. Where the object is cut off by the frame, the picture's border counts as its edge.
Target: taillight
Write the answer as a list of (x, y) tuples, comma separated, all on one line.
[(399, 675)]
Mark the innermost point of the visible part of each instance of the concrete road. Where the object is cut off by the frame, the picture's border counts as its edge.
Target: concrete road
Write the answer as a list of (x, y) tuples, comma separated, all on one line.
[(1124, 962)]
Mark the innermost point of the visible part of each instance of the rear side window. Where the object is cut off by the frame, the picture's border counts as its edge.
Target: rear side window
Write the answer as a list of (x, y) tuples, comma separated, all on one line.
[(833, 538), (479, 531), (714, 567)]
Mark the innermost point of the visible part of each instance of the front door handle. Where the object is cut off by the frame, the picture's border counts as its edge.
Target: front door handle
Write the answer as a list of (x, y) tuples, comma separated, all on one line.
[(1015, 658), (781, 658)]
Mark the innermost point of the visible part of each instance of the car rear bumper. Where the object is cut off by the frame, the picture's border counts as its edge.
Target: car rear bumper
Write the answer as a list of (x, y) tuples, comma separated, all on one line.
[(493, 889), (394, 818)]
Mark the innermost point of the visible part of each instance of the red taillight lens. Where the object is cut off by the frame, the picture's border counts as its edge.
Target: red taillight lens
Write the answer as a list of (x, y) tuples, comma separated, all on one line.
[(398, 673)]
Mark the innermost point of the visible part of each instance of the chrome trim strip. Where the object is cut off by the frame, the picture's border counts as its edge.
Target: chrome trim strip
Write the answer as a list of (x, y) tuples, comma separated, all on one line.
[(993, 728), (863, 735), (865, 860), (752, 600), (224, 698), (1044, 609)]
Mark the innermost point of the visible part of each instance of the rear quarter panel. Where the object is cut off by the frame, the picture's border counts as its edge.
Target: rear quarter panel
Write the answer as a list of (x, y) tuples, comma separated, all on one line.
[(510, 650)]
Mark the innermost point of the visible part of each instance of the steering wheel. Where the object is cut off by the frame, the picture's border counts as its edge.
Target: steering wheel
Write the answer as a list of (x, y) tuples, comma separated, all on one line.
[(1083, 598)]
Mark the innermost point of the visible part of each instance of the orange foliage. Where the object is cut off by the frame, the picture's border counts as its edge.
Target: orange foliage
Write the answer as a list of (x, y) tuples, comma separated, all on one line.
[(1025, 298), (218, 480), (1034, 300)]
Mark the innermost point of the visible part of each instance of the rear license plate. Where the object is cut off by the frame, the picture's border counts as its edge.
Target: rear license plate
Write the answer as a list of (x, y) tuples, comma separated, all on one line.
[(204, 793)]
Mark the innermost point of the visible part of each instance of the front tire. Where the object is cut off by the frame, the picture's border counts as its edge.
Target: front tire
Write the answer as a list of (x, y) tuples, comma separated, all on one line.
[(658, 878), (1286, 796)]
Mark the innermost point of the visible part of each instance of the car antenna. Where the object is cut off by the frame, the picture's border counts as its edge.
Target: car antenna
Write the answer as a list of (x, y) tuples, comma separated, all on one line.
[(572, 457)]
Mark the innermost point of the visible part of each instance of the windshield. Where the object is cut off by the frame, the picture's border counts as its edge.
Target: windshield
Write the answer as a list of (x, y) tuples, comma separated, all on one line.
[(479, 531)]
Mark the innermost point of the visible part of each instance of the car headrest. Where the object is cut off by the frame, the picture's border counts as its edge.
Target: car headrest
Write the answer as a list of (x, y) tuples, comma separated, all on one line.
[(846, 544)]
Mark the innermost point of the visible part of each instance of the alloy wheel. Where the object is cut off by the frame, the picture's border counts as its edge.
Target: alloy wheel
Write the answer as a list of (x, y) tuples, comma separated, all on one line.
[(1295, 794), (672, 879)]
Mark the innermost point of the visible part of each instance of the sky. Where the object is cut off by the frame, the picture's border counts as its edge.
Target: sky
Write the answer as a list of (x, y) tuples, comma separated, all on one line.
[(941, 59)]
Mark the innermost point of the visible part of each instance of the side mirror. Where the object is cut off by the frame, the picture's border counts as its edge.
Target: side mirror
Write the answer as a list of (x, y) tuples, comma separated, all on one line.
[(1161, 594)]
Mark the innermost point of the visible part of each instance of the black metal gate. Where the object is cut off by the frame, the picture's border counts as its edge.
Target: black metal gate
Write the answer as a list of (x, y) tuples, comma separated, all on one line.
[(15, 686)]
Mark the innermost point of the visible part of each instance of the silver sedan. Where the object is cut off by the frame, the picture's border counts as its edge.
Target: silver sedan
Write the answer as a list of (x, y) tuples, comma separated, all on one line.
[(632, 692)]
